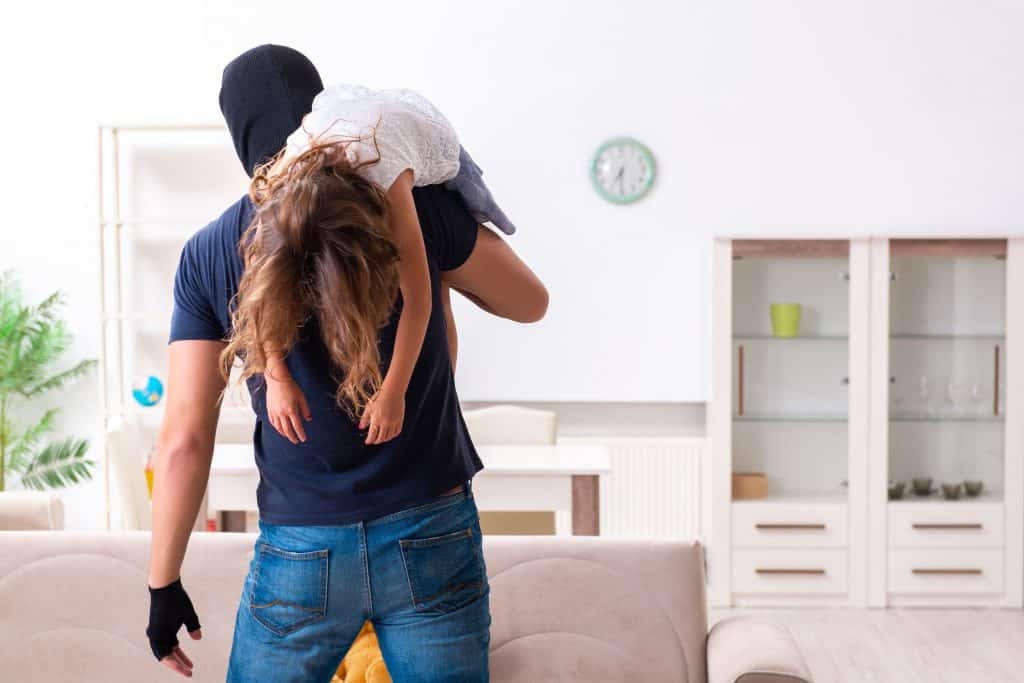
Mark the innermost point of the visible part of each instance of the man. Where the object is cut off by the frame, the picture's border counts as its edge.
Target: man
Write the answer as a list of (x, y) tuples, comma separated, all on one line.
[(349, 532)]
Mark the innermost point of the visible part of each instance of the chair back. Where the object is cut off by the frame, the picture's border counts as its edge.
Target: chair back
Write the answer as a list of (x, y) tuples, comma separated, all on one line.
[(508, 425)]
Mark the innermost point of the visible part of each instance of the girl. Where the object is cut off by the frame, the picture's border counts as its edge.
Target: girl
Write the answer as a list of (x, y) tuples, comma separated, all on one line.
[(379, 144)]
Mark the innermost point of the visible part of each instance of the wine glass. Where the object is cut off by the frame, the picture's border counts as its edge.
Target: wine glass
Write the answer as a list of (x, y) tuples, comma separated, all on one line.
[(958, 397)]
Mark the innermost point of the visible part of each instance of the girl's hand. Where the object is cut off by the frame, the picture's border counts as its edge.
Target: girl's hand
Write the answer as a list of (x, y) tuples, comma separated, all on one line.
[(383, 417), (287, 408)]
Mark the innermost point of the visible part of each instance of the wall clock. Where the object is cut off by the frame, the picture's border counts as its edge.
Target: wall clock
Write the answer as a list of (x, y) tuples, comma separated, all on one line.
[(623, 170)]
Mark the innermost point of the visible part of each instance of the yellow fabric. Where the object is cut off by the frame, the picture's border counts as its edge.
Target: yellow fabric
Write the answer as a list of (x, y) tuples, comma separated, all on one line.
[(364, 662)]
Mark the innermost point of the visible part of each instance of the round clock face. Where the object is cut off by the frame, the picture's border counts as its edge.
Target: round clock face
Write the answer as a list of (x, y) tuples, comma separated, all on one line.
[(623, 170)]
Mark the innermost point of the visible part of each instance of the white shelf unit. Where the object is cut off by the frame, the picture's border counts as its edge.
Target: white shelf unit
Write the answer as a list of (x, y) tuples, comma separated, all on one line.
[(796, 410), (947, 331), (148, 175), (946, 310)]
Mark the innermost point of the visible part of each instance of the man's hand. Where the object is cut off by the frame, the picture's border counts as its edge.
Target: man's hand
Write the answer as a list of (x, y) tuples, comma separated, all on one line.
[(383, 416), (169, 609)]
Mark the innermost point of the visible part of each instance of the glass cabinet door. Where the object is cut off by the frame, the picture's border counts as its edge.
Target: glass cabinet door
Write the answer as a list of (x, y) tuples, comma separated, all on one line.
[(790, 354), (947, 360)]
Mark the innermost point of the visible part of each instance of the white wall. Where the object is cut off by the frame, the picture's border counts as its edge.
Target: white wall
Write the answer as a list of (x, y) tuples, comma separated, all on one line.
[(788, 117)]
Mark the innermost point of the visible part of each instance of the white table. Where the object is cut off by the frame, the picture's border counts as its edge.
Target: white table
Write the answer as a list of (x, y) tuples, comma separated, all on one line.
[(560, 478)]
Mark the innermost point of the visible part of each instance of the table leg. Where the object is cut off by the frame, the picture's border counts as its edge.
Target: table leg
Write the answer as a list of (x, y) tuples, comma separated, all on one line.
[(234, 520), (585, 505)]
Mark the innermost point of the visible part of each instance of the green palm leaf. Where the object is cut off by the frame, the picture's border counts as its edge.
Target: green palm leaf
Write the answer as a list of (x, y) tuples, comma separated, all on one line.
[(60, 379), (47, 308), (59, 464), (26, 444), (10, 295), (44, 343), (32, 341), (12, 336)]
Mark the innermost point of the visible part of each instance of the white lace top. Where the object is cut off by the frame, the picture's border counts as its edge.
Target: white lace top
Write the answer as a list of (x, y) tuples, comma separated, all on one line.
[(410, 133)]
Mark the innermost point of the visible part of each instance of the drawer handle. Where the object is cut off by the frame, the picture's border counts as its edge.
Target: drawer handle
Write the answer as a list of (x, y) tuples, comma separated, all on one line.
[(948, 526), (789, 527), (782, 572), (946, 572)]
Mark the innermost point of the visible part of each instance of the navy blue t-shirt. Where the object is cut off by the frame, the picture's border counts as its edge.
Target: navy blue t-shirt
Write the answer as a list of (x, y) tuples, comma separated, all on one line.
[(334, 477)]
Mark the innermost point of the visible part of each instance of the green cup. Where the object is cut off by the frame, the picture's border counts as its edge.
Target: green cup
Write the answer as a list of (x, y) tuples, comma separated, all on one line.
[(785, 320)]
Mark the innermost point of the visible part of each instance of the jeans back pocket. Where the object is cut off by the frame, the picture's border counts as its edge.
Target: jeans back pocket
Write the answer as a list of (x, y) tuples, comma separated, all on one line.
[(444, 572), (289, 589)]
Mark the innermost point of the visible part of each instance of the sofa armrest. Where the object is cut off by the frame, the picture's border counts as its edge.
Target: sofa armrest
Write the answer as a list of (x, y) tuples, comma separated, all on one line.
[(754, 650)]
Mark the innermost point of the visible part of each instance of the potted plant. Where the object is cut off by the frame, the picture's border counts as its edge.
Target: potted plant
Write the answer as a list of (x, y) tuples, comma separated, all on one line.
[(32, 341)]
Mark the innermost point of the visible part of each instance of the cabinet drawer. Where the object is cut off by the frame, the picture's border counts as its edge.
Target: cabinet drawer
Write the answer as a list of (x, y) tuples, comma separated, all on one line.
[(945, 571), (952, 524), (785, 572), (788, 525)]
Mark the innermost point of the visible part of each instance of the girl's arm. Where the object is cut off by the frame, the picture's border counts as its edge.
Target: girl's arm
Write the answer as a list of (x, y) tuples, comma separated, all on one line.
[(286, 404), (384, 415)]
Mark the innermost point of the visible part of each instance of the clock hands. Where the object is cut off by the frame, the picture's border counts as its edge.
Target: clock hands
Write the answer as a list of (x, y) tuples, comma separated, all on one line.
[(620, 178)]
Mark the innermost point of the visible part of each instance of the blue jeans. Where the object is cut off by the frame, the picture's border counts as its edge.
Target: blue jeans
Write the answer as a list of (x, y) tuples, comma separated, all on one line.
[(418, 575)]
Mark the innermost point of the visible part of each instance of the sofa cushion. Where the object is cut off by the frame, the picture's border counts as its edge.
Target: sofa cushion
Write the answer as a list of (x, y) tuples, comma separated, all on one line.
[(593, 609)]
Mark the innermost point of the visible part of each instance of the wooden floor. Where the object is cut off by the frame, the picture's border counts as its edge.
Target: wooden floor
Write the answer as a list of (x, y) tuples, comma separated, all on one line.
[(906, 646)]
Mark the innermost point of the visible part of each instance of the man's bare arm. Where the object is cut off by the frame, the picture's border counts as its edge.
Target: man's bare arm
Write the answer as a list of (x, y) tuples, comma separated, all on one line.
[(184, 452), (498, 281)]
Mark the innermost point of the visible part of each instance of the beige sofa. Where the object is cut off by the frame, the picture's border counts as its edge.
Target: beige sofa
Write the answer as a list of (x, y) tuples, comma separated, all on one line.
[(73, 607), (30, 510)]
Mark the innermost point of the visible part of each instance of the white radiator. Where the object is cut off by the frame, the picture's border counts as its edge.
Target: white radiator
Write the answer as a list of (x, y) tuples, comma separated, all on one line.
[(654, 487)]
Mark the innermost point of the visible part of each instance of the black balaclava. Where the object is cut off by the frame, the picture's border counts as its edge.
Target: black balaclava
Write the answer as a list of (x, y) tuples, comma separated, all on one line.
[(264, 94)]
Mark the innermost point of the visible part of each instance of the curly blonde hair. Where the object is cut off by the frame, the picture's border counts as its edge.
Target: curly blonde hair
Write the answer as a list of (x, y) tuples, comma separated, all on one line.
[(318, 245)]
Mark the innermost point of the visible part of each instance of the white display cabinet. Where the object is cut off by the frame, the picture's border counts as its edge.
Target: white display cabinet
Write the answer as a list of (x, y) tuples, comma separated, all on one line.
[(792, 409), (948, 319), (901, 369)]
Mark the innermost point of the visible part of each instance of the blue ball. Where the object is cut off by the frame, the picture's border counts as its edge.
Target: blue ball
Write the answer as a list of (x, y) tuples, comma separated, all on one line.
[(149, 392)]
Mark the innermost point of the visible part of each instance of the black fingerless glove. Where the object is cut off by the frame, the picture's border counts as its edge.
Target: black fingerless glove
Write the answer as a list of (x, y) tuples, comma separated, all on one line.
[(169, 608)]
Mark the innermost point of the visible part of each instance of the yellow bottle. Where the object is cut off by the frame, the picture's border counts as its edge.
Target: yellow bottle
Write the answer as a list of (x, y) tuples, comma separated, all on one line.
[(149, 473)]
